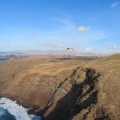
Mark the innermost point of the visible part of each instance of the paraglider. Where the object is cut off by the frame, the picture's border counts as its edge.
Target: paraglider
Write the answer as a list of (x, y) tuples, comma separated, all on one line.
[(70, 49), (58, 89)]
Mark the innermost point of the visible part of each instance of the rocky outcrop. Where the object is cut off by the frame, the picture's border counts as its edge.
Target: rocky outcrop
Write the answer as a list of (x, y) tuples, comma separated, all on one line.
[(80, 102)]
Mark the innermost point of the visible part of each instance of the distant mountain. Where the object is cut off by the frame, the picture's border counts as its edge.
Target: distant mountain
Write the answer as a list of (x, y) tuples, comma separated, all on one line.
[(11, 56), (51, 52), (61, 52)]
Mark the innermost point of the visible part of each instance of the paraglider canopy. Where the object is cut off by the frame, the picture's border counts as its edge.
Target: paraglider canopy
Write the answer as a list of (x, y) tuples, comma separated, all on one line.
[(70, 49), (58, 89)]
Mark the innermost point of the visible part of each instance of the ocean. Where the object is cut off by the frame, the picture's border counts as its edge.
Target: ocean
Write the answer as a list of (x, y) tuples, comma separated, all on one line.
[(10, 110), (4, 58), (5, 115)]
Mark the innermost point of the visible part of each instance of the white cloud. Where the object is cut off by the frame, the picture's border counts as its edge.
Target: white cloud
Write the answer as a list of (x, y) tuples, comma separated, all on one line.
[(113, 48), (115, 4), (83, 28), (88, 49), (116, 47)]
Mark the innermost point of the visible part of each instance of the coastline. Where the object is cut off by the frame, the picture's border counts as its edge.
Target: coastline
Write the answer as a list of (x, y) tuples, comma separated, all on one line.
[(5, 59), (19, 105)]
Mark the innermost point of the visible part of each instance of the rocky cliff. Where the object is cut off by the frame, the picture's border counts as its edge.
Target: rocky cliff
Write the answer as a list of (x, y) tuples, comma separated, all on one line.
[(64, 89)]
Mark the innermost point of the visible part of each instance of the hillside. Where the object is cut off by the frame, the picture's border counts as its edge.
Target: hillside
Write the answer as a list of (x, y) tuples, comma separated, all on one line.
[(88, 90)]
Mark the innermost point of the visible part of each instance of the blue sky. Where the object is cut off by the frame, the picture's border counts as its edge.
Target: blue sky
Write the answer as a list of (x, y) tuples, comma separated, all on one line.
[(86, 25)]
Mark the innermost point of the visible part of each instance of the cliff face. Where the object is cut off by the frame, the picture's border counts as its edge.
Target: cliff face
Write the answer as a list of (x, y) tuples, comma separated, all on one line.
[(32, 80), (80, 99), (64, 89)]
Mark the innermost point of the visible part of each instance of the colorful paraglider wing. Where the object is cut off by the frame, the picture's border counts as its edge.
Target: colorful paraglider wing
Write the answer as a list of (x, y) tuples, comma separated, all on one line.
[(70, 49), (67, 48)]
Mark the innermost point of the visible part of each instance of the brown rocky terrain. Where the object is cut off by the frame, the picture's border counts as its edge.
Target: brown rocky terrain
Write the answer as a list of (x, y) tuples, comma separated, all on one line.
[(64, 88)]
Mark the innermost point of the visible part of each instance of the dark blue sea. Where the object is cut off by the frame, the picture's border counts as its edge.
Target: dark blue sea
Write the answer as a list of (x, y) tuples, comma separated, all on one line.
[(5, 115), (4, 58)]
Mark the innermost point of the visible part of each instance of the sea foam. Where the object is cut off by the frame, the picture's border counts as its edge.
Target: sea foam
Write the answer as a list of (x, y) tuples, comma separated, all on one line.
[(19, 112)]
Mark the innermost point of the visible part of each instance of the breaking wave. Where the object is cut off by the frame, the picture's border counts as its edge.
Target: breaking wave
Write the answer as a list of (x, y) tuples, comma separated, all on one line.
[(10, 110)]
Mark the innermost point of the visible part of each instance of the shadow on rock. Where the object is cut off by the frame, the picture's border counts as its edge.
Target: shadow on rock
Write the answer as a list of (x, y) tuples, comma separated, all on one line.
[(76, 99)]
